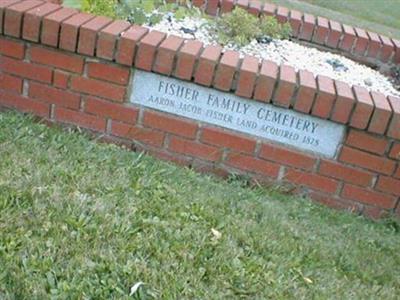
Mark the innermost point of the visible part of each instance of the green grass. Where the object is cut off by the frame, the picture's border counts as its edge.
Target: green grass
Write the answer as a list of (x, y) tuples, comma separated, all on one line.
[(382, 16), (82, 220)]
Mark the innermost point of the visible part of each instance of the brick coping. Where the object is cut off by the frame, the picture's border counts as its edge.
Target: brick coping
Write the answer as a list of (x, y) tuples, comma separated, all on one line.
[(356, 42), (135, 46)]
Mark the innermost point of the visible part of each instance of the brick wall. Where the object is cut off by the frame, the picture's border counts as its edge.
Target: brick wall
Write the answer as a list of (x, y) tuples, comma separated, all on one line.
[(355, 42), (73, 68)]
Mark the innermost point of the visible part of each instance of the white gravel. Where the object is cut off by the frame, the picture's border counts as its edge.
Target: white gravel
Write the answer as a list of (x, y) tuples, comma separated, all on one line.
[(290, 53)]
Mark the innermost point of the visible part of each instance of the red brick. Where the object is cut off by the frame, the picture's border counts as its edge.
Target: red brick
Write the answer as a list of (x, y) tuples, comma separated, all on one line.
[(266, 81), (334, 35), (25, 69), (287, 157), (286, 86), (127, 44), (394, 127), (23, 104), (364, 108), (206, 65), (226, 70), (187, 56), (171, 124), (69, 30), (147, 49), (251, 164), (269, 9), (374, 44), (208, 167), (88, 34), (142, 135), (198, 3), (191, 148), (176, 159), (242, 4), (374, 213), (282, 14), (60, 79), (333, 202), (80, 119), (255, 7), (349, 38), (321, 30), (325, 98), (106, 109), (51, 25), (395, 151), (367, 142), (108, 72), (369, 197), (396, 57), (382, 114), (247, 77), (307, 28), (98, 88), (212, 7), (12, 48), (367, 161), (361, 41), (166, 53), (222, 138), (313, 181), (52, 95), (58, 59), (3, 5), (226, 6), (344, 103), (345, 173), (397, 173), (107, 39), (10, 83), (388, 185), (387, 49), (33, 20), (14, 14), (295, 22)]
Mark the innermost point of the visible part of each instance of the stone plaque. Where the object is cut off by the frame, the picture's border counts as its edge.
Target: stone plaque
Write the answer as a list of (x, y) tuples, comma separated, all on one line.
[(230, 111)]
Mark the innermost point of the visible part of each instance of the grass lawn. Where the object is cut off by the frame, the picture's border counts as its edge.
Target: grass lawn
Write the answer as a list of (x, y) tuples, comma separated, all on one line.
[(382, 16), (82, 220)]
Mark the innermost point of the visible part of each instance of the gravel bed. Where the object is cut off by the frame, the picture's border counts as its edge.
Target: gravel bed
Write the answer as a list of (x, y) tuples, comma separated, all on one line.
[(287, 52)]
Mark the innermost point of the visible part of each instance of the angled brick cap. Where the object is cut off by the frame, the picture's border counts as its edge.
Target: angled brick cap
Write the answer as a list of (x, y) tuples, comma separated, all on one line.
[(33, 20), (344, 103), (107, 39), (206, 65), (187, 57), (394, 127), (286, 86), (381, 115), (266, 81), (226, 70), (166, 53), (69, 30), (363, 109), (306, 92), (127, 44), (147, 49), (247, 76)]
